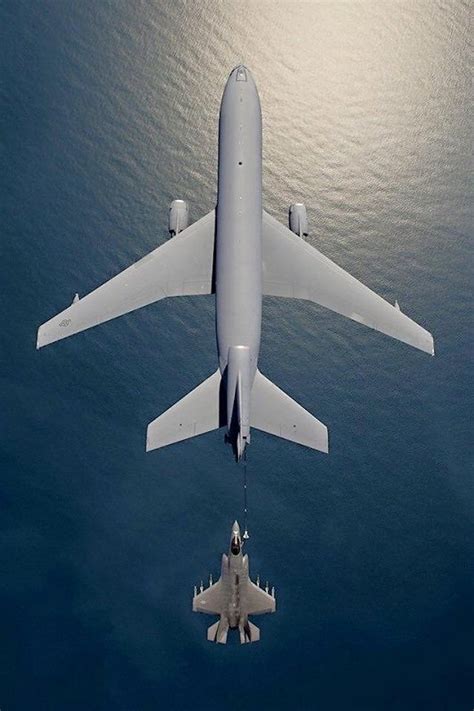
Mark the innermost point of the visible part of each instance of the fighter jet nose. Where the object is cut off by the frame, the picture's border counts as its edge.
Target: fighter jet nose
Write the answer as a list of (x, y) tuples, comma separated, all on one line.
[(236, 540)]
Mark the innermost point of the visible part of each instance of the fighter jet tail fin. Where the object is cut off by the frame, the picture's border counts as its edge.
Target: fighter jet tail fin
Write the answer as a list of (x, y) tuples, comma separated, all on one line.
[(249, 633), (218, 631), (198, 412), (276, 413)]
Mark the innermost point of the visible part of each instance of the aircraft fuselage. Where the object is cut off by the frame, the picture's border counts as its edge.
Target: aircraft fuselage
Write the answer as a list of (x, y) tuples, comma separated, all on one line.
[(238, 266), (234, 577)]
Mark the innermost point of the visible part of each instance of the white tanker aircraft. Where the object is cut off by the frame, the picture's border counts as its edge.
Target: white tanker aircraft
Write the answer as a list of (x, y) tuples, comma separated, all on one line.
[(239, 253)]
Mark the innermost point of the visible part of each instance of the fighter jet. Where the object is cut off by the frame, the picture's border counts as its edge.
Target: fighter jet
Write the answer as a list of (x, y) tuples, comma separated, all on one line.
[(234, 597), (239, 253)]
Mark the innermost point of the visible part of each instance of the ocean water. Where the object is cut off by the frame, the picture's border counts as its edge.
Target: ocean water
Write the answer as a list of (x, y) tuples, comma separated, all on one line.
[(109, 111)]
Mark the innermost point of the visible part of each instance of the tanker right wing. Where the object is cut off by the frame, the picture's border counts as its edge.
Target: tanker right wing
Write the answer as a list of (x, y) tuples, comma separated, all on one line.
[(293, 268), (180, 267)]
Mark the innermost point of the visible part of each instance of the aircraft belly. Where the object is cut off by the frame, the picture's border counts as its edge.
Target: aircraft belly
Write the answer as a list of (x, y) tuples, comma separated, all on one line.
[(239, 298), (236, 593), (238, 270)]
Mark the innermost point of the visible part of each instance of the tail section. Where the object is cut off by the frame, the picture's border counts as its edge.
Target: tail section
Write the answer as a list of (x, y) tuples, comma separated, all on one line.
[(238, 398), (194, 414), (215, 403), (249, 633), (276, 413), (218, 631)]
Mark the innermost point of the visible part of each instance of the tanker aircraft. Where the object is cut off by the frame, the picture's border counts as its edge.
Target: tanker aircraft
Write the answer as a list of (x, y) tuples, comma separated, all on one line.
[(239, 253)]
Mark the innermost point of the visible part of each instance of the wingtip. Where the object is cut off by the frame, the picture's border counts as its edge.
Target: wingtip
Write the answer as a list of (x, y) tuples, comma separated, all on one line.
[(45, 336), (428, 345), (149, 444), (425, 343), (324, 444)]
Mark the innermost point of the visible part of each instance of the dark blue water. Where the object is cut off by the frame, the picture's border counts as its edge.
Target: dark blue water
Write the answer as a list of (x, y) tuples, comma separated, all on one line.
[(109, 111)]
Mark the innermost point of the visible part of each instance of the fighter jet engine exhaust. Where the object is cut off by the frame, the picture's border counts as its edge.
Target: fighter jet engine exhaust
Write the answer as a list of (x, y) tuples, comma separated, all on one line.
[(298, 219), (178, 217)]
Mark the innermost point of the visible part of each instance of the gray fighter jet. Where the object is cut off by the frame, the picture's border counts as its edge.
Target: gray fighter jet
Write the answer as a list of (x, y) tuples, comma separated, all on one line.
[(239, 253), (234, 597)]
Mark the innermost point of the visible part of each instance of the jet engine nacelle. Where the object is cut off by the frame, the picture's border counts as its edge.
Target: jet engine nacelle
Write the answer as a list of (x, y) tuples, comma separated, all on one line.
[(178, 217), (298, 219)]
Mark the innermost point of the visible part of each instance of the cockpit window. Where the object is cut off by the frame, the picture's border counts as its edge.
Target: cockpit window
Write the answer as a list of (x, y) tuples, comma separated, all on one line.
[(235, 546)]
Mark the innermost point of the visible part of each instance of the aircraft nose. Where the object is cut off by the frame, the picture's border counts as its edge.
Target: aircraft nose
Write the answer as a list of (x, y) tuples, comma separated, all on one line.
[(241, 73), (236, 540)]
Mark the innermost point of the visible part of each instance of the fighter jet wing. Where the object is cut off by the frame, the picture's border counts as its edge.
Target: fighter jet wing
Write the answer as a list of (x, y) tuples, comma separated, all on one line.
[(259, 602), (209, 601), (182, 266), (293, 268)]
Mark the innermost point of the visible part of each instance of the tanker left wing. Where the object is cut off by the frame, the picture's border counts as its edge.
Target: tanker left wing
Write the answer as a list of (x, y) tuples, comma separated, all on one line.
[(180, 267), (293, 268)]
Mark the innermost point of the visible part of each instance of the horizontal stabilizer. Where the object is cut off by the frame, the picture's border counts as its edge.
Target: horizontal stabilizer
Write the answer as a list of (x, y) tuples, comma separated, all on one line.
[(295, 269), (276, 413), (249, 633), (218, 631), (196, 413)]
